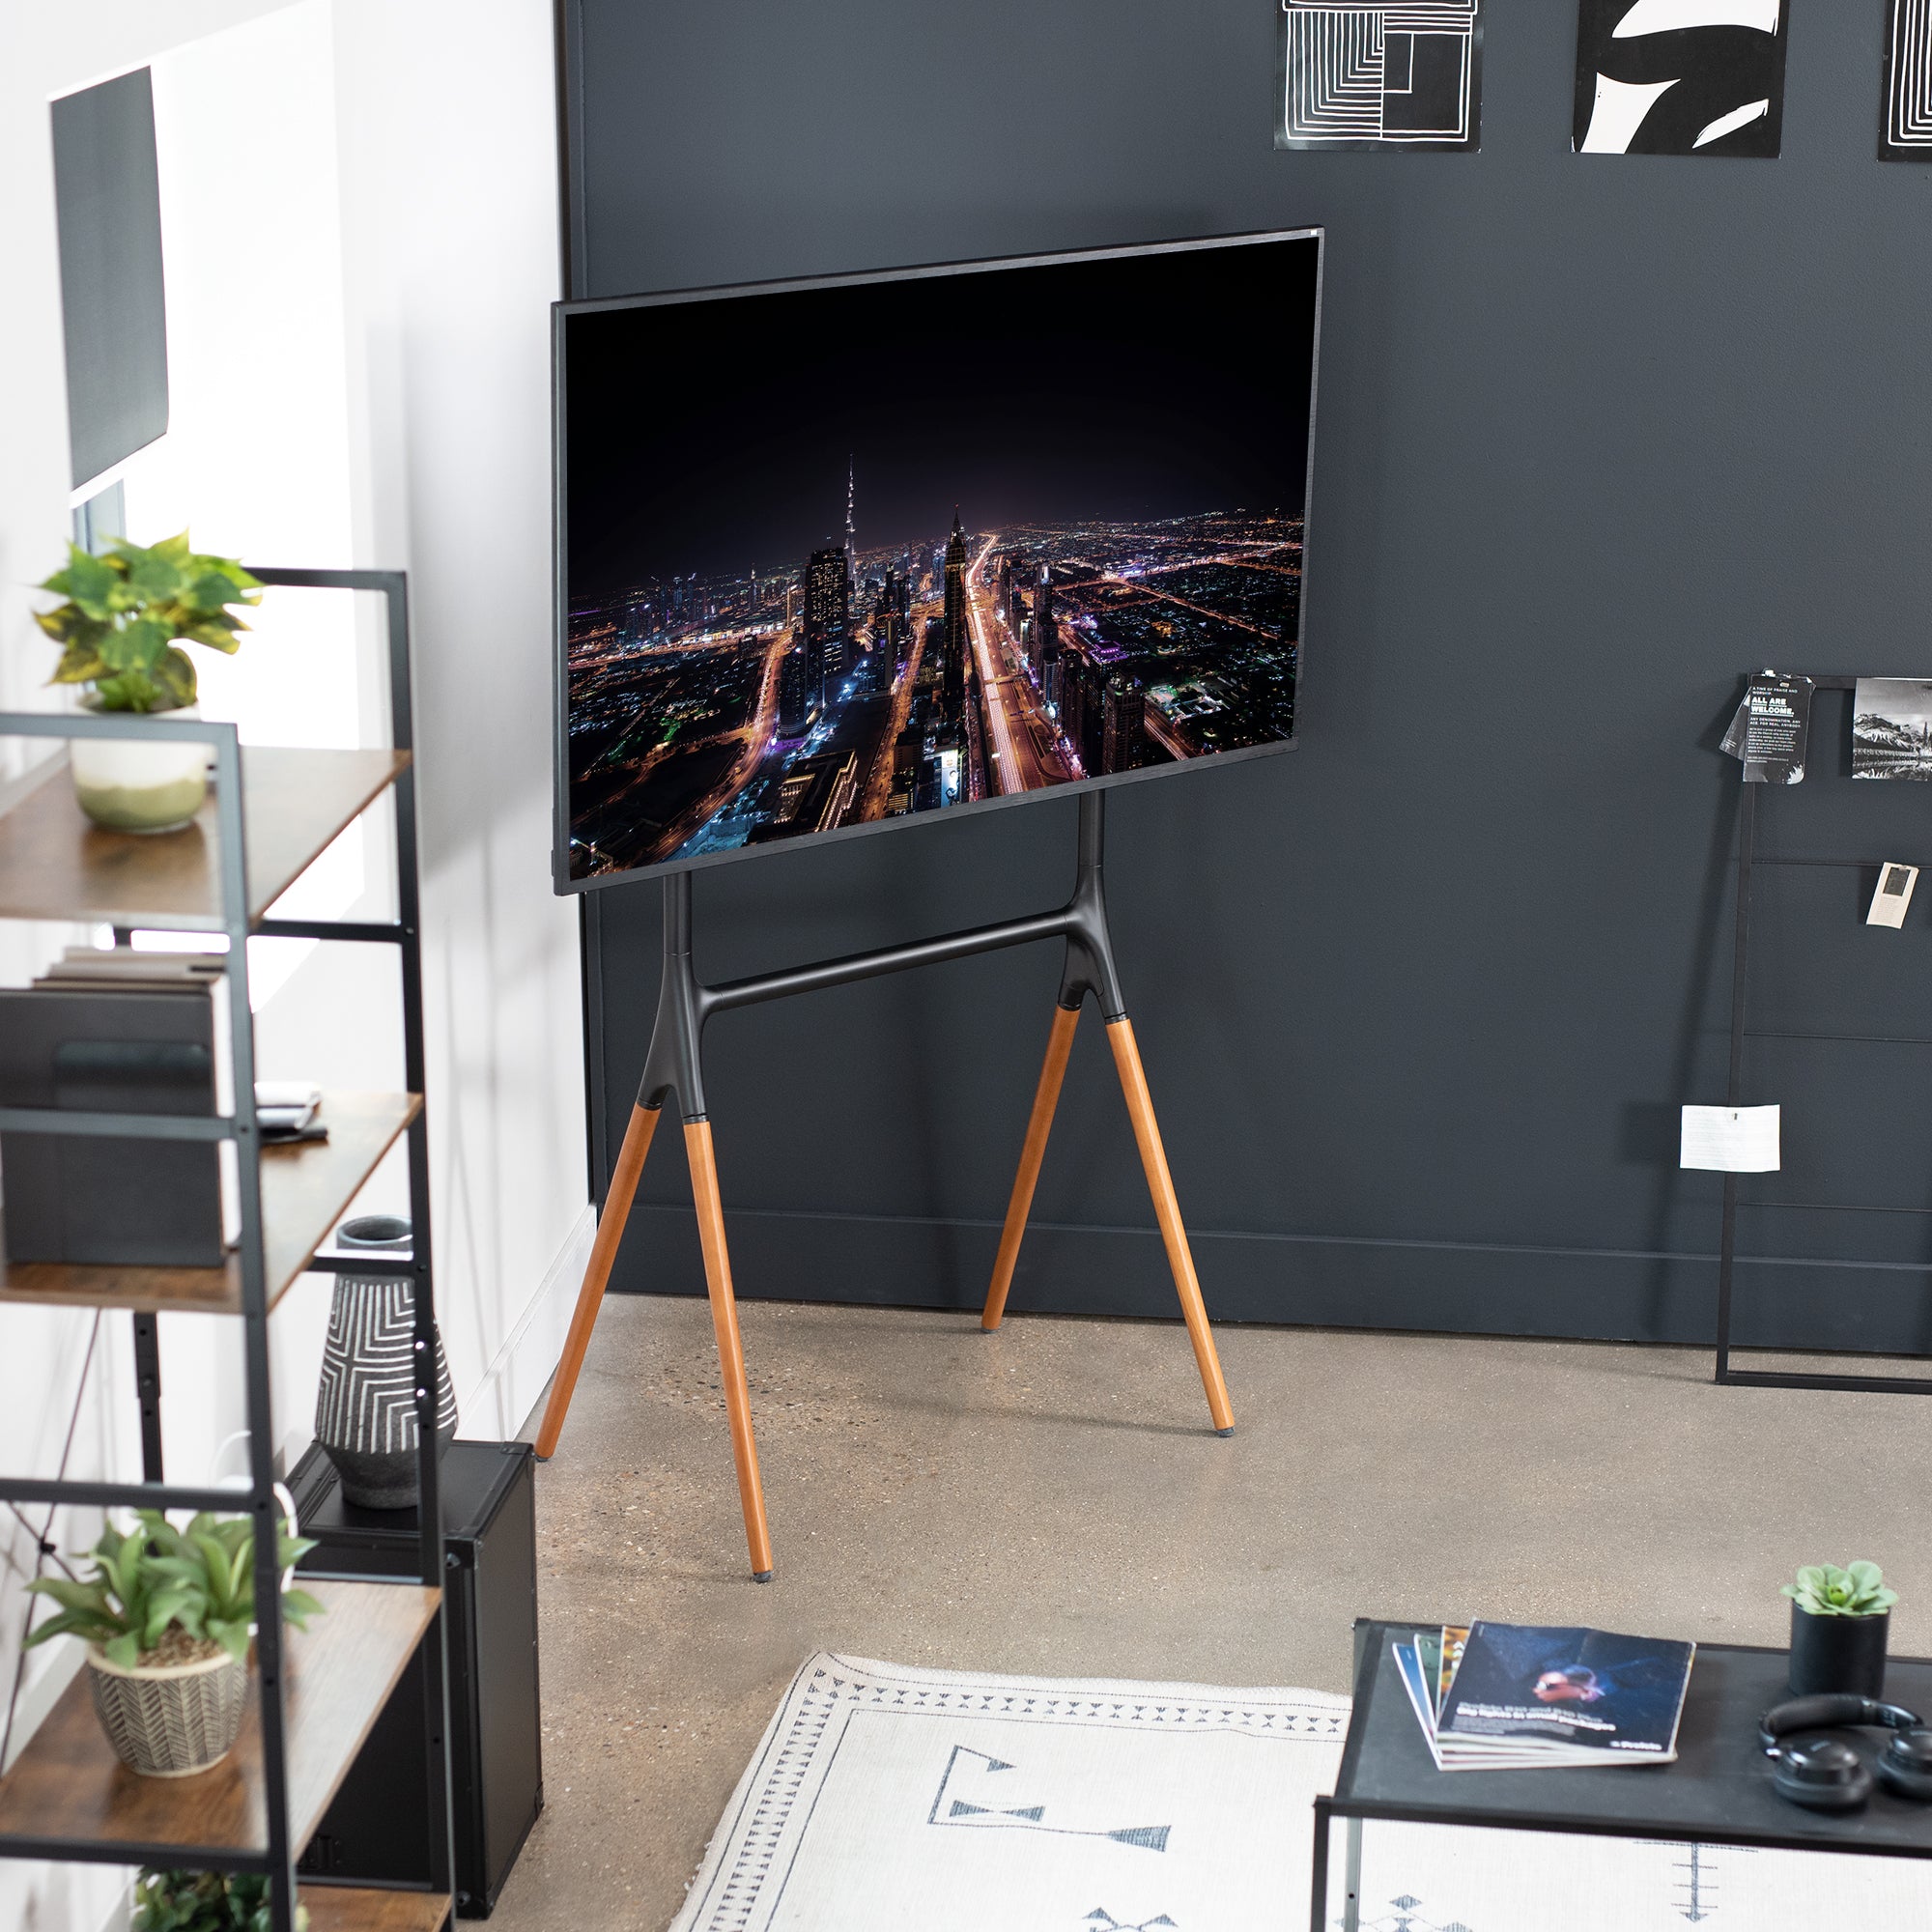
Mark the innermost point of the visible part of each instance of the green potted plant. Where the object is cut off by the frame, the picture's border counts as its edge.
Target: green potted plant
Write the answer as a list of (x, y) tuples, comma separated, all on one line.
[(199, 1901), (120, 629), (166, 1617), (1839, 1622)]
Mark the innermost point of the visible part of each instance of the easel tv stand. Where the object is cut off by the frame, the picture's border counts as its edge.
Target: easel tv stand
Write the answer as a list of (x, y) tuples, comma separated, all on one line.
[(673, 1069)]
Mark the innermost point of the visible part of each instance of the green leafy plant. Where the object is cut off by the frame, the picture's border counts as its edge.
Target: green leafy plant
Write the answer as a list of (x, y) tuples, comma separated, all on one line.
[(155, 1578), (197, 1901), (1858, 1590), (127, 612)]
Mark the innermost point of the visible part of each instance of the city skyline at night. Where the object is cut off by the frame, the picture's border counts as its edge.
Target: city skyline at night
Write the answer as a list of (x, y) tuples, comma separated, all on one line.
[(770, 636)]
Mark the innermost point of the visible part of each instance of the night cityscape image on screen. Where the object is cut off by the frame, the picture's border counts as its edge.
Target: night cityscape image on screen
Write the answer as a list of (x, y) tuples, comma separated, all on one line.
[(867, 551)]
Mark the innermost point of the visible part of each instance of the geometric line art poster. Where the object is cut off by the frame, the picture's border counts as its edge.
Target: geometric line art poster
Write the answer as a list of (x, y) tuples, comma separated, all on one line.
[(1406, 76), (1907, 132), (1680, 77)]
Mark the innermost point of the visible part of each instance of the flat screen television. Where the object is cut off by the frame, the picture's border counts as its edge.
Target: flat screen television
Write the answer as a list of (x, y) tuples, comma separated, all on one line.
[(839, 555)]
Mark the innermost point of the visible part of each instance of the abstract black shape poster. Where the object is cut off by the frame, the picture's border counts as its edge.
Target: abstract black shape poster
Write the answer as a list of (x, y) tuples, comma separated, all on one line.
[(1680, 77), (1384, 75)]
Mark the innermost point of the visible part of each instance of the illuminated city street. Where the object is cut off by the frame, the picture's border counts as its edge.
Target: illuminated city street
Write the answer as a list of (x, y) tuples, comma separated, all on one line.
[(712, 712)]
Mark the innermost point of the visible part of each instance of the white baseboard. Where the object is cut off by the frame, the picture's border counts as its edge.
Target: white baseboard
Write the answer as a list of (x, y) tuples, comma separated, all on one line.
[(514, 1380)]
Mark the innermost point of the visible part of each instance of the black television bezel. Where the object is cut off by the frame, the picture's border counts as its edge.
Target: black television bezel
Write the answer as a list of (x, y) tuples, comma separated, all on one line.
[(561, 312)]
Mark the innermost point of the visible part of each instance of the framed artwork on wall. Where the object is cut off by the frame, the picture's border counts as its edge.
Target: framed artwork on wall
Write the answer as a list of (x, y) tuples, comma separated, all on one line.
[(1906, 134), (1680, 77), (1379, 76)]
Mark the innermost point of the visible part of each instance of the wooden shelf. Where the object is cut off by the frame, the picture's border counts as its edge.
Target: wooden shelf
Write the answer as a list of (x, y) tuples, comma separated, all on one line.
[(55, 863), (348, 1908), (69, 1784), (305, 1187)]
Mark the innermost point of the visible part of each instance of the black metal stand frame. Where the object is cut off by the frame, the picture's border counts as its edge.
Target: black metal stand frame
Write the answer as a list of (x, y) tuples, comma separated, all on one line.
[(674, 1062), (1749, 859), (673, 1066), (277, 1859)]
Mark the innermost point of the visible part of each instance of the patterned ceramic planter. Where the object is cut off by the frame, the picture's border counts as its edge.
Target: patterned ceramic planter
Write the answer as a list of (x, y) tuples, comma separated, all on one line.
[(365, 1411), (170, 1720)]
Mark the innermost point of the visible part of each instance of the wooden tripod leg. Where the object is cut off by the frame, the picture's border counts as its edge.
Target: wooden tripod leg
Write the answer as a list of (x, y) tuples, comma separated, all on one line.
[(603, 1251), (1040, 1123), (730, 1349), (1167, 1212)]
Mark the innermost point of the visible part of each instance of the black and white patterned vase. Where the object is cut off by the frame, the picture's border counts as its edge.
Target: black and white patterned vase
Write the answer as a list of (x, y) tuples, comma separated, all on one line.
[(365, 1411)]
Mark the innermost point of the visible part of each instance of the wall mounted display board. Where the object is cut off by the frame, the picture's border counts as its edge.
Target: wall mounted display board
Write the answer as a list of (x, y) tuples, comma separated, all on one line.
[(1892, 724), (1906, 133), (1397, 76), (1680, 77)]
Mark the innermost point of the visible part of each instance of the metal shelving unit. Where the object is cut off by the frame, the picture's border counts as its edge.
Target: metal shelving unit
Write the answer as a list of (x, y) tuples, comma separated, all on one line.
[(272, 813)]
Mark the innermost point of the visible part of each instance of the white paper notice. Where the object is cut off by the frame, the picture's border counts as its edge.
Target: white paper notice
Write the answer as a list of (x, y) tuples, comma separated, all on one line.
[(1732, 1140)]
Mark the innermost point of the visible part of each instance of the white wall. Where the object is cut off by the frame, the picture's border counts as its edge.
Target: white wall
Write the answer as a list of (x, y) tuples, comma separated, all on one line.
[(450, 227), (392, 411)]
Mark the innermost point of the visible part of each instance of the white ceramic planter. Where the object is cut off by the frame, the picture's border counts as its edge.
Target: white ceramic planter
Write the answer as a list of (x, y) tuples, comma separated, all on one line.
[(173, 1719), (131, 785)]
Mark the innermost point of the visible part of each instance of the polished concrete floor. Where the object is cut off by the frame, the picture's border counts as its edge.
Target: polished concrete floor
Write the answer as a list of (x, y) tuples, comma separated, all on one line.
[(1050, 1500)]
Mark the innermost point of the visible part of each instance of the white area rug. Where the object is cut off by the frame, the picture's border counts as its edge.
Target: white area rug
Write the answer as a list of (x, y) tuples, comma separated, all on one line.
[(889, 1800)]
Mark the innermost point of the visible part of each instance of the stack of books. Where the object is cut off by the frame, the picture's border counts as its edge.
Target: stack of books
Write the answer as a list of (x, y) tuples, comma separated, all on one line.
[(285, 1110), (1515, 1696)]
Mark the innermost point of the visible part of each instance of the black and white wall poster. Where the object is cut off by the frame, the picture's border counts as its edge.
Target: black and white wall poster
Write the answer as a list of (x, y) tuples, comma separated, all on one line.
[(1680, 77), (1907, 133), (1891, 729), (1379, 76)]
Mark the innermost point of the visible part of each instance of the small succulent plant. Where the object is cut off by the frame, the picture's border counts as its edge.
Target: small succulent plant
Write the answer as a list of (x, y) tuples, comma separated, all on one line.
[(1857, 1591)]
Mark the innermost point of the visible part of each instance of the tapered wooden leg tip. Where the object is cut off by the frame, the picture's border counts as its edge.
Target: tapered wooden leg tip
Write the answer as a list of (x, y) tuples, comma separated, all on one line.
[(1229, 1430), (763, 1576)]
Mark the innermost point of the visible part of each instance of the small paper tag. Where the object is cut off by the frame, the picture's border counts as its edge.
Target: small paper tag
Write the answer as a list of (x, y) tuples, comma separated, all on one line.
[(1730, 1140), (1893, 895)]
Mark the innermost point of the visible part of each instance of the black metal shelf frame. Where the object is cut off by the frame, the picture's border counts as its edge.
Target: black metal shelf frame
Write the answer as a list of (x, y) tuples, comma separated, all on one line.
[(1742, 1031), (278, 1856)]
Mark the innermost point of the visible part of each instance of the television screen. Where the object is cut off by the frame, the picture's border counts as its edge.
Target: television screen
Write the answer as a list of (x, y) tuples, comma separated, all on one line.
[(839, 555)]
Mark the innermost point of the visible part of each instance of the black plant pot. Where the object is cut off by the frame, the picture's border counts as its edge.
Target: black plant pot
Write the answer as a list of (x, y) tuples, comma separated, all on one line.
[(1837, 1653)]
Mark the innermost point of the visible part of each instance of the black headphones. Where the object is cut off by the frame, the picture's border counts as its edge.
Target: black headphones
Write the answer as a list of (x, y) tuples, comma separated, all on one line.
[(1825, 1774)]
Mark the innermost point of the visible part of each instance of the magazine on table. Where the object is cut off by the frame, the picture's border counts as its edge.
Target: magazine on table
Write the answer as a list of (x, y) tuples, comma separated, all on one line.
[(1498, 1696)]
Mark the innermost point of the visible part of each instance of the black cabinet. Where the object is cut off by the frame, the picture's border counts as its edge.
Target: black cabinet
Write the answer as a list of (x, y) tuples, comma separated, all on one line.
[(377, 1830)]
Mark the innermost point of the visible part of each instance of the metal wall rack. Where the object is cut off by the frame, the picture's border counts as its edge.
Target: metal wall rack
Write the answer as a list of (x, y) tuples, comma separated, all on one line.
[(273, 812), (1748, 859)]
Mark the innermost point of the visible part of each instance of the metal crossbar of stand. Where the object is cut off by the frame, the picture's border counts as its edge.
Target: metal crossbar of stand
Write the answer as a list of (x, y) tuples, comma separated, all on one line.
[(69, 1799), (1729, 1258), (673, 1070)]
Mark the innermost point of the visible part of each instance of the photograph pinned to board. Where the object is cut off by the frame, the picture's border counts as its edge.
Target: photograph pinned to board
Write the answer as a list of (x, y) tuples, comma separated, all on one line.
[(1891, 729), (1680, 77), (1379, 76), (1906, 132), (1771, 728), (1891, 894)]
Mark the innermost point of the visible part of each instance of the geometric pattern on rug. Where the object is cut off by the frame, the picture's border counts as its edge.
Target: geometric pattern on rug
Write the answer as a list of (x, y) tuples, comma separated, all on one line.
[(887, 1798), (1081, 1806)]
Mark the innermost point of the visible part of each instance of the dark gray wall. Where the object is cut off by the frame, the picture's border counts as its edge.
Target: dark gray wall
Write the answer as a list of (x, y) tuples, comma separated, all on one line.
[(1418, 1001)]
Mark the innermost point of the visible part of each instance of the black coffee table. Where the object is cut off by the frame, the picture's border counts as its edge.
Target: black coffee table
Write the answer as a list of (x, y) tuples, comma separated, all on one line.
[(1717, 1793)]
